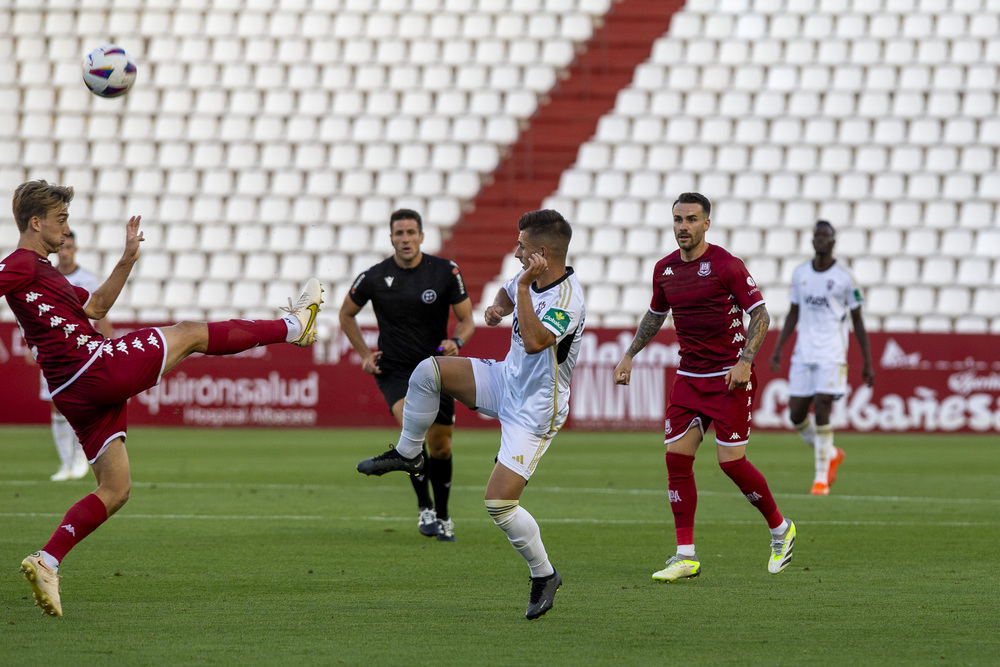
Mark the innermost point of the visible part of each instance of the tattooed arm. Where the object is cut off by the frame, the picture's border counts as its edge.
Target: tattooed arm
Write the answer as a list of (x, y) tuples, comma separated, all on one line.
[(739, 375), (648, 327)]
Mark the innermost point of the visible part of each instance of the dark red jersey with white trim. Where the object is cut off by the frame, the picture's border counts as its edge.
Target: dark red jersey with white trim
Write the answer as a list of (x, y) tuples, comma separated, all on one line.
[(708, 297), (49, 311)]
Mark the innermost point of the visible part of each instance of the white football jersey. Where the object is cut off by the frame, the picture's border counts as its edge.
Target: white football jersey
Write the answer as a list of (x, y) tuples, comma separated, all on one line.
[(824, 298), (537, 394), (85, 279)]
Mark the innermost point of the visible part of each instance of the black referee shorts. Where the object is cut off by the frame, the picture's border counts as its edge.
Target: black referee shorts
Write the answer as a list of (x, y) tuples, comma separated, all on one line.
[(393, 387)]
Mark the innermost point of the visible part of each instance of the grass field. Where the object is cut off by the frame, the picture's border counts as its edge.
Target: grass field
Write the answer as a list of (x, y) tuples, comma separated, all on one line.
[(266, 547)]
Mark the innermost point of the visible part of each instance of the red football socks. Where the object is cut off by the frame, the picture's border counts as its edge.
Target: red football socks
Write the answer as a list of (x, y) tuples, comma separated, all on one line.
[(235, 336), (81, 520), (683, 495), (754, 487)]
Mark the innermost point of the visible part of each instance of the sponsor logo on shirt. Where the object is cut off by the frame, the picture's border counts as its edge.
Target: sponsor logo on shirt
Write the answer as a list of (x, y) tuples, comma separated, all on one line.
[(818, 301), (388, 280), (357, 282), (557, 318)]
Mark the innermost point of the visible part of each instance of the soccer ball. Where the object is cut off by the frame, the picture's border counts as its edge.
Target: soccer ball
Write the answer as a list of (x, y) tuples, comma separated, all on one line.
[(109, 71)]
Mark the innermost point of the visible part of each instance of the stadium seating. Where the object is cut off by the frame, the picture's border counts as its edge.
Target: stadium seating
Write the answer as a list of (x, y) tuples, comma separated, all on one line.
[(270, 140)]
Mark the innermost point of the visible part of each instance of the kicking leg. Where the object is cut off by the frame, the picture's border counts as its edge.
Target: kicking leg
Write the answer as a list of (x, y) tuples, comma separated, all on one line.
[(431, 377)]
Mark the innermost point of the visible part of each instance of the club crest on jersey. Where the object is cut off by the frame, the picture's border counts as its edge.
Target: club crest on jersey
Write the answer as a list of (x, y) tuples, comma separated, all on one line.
[(429, 296), (704, 269)]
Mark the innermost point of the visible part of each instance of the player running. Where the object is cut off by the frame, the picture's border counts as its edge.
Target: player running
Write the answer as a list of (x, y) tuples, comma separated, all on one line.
[(92, 377), (708, 291), (821, 295)]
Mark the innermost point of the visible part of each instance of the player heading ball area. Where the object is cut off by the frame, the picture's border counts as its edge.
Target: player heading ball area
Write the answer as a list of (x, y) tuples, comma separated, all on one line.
[(109, 71)]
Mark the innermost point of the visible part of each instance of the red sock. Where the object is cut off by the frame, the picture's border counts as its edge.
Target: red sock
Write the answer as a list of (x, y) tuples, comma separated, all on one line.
[(683, 495), (754, 487), (81, 520), (238, 335)]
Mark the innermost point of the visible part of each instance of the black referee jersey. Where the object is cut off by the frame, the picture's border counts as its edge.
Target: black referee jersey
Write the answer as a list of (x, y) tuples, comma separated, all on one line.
[(411, 306)]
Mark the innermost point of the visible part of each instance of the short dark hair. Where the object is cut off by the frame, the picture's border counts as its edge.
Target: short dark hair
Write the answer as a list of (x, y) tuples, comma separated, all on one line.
[(406, 214), (827, 223), (694, 198), (548, 226), (37, 198)]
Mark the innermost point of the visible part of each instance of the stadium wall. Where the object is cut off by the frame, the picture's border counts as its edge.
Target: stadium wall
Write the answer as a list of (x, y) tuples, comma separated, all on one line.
[(924, 383)]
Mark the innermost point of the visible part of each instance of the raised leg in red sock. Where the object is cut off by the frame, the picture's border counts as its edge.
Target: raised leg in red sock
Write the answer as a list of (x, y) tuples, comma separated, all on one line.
[(754, 487), (235, 336)]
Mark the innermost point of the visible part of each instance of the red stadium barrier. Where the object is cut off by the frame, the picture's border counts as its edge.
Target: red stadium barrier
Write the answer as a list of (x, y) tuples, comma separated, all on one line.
[(924, 382)]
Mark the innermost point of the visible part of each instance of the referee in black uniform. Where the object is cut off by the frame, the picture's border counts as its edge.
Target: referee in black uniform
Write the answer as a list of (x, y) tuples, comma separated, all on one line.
[(411, 293)]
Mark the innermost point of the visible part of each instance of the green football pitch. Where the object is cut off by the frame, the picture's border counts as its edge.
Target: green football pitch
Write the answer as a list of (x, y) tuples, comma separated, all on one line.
[(266, 547)]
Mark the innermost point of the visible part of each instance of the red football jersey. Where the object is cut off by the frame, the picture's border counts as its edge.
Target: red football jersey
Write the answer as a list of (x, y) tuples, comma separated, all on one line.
[(49, 311), (708, 297)]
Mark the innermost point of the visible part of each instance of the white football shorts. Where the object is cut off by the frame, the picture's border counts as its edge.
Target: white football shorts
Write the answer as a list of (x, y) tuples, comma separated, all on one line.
[(520, 449), (811, 379)]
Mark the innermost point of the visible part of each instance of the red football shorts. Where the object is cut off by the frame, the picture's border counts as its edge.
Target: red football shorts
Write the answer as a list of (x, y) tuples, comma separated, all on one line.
[(96, 404), (701, 401)]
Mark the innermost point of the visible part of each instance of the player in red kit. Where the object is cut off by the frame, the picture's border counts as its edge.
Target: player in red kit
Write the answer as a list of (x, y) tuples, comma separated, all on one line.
[(708, 291), (92, 377)]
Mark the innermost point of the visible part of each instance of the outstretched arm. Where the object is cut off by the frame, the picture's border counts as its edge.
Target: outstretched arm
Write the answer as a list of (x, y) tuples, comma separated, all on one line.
[(739, 375), (648, 327), (105, 296)]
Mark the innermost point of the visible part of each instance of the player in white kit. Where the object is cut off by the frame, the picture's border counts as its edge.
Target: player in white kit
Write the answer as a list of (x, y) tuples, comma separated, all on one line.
[(822, 295), (528, 391)]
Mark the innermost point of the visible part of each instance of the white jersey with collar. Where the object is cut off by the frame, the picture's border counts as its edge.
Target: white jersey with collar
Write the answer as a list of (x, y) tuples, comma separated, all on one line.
[(537, 395), (825, 298)]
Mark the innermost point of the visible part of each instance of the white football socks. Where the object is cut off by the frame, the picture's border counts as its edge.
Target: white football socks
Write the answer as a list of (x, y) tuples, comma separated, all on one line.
[(807, 431), (423, 401), (65, 439), (523, 534), (50, 561), (294, 328), (825, 452)]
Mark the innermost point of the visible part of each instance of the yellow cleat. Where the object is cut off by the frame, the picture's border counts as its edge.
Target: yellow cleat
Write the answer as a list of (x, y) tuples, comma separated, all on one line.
[(305, 310), (679, 567), (44, 584), (781, 550)]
